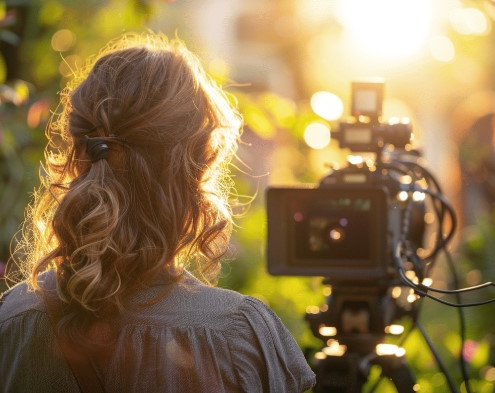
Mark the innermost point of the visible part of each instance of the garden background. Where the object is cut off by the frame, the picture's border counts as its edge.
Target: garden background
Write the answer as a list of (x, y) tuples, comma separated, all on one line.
[(438, 60)]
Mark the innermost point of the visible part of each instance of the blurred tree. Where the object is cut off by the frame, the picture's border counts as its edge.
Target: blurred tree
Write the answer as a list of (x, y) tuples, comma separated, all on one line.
[(16, 140)]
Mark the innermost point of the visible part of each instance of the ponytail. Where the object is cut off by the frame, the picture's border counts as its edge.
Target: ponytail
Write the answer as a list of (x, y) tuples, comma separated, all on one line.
[(86, 220)]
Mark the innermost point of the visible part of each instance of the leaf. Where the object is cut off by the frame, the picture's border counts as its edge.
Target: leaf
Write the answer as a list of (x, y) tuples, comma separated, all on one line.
[(452, 342), (282, 109), (21, 91), (51, 13), (481, 355), (259, 122)]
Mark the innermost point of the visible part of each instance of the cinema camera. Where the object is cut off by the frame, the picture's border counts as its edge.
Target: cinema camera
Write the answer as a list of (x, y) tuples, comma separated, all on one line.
[(345, 228), (362, 228)]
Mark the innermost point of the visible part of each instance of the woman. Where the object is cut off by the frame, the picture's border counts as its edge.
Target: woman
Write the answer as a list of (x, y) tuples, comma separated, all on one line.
[(134, 197)]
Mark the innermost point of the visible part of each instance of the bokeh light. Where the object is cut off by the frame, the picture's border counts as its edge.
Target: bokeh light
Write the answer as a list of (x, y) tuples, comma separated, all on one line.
[(327, 105), (317, 135), (442, 48), (386, 349), (390, 28), (327, 331), (474, 277), (334, 348), (63, 40), (469, 21), (490, 374), (38, 112), (394, 329)]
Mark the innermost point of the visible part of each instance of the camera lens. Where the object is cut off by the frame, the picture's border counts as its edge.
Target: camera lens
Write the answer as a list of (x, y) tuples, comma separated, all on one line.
[(334, 229)]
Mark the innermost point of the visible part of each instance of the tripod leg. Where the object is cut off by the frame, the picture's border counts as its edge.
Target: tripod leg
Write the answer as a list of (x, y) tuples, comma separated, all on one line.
[(396, 369)]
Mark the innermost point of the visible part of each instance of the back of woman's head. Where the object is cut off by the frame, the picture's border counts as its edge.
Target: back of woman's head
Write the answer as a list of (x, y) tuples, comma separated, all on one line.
[(159, 198)]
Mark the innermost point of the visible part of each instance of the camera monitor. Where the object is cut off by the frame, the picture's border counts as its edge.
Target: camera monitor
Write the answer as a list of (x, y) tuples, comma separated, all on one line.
[(367, 98), (338, 232)]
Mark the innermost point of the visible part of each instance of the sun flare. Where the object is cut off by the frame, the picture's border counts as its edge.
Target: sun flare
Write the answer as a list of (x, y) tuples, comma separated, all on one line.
[(386, 28)]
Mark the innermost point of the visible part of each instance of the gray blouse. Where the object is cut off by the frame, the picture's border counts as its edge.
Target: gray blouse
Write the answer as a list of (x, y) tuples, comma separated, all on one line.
[(195, 339)]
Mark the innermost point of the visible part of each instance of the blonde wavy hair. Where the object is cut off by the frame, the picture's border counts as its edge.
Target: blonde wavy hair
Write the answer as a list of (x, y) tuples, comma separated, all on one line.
[(160, 199)]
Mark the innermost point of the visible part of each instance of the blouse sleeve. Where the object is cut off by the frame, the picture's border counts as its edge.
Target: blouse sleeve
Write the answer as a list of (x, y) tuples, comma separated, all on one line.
[(265, 356)]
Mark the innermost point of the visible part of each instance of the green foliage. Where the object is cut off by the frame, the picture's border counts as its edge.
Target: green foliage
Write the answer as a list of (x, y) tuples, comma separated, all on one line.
[(39, 32)]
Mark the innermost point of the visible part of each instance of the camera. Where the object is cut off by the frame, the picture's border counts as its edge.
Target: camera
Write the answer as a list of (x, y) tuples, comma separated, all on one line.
[(345, 228), (362, 228)]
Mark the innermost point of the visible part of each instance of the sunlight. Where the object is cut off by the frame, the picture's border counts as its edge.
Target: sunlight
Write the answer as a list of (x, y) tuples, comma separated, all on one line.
[(394, 329), (390, 349), (327, 105), (442, 48), (387, 28), (317, 135), (327, 331), (469, 21), (334, 348)]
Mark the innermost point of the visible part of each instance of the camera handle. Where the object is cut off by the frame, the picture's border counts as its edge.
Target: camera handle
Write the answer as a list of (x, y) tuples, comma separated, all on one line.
[(354, 317)]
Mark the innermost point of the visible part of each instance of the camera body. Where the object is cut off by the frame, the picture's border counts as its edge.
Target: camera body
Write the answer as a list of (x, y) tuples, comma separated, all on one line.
[(345, 227), (362, 228), (340, 231)]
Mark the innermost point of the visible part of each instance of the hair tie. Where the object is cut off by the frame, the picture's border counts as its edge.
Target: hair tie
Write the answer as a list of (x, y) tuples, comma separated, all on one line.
[(96, 148)]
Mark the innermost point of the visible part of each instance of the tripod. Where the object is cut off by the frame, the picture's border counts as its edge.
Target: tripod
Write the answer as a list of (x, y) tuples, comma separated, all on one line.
[(352, 323)]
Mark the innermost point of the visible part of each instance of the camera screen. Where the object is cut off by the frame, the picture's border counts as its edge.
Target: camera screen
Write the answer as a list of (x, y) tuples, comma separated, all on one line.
[(366, 101), (357, 135), (338, 231), (367, 98)]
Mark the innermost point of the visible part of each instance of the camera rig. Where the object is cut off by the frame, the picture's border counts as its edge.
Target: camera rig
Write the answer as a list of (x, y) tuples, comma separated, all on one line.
[(345, 228), (363, 228)]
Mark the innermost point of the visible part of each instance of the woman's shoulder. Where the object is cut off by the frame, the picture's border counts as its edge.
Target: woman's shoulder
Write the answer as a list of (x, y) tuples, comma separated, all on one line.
[(242, 328), (21, 299), (193, 304), (264, 353), (188, 302), (217, 300), (196, 289)]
